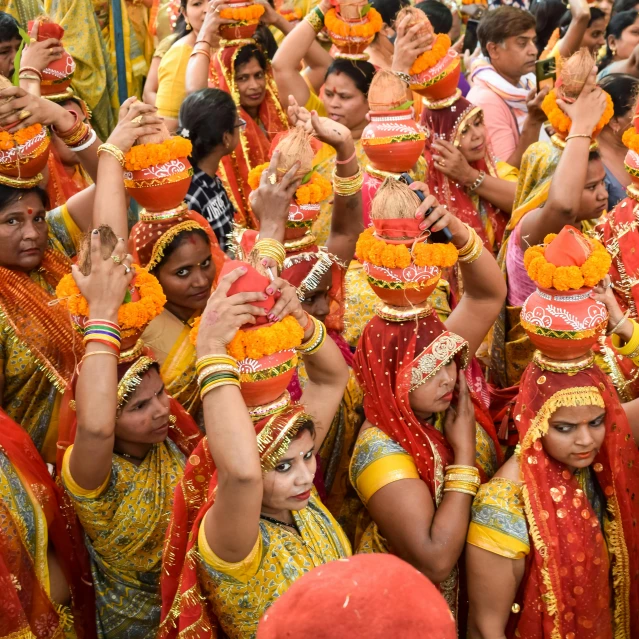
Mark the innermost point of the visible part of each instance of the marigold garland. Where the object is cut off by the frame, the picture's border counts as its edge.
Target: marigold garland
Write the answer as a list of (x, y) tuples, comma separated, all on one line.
[(429, 59), (291, 15), (132, 316), (317, 189), (377, 252), (260, 342), (565, 278), (335, 25), (631, 140), (143, 156), (9, 141), (562, 123), (243, 14)]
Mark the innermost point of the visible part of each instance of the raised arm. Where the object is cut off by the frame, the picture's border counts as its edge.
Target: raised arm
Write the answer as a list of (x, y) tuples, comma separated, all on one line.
[(571, 42), (96, 391), (564, 198)]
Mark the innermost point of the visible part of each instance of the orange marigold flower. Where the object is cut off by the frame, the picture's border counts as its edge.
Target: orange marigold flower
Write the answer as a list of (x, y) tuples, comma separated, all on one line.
[(631, 140), (429, 59), (567, 278), (143, 156), (337, 26), (10, 140), (545, 274), (531, 253), (255, 175), (243, 14), (562, 123)]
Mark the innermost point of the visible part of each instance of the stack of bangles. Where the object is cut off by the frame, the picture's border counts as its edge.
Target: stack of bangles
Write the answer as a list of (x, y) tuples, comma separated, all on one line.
[(346, 186), (316, 340), (113, 150), (472, 249), (214, 371), (104, 332), (461, 479), (273, 249), (30, 73), (203, 47), (316, 19), (79, 137)]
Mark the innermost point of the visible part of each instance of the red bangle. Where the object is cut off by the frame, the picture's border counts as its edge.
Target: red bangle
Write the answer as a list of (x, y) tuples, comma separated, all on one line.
[(33, 69), (309, 321), (72, 129), (346, 161)]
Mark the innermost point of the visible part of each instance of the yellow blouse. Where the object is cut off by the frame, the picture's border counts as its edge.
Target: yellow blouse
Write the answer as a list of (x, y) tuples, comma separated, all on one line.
[(172, 80), (241, 592)]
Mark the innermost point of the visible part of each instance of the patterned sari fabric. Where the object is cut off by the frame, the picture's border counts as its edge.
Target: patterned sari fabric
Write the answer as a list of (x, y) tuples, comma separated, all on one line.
[(36, 519), (255, 139), (61, 186), (201, 594), (572, 555)]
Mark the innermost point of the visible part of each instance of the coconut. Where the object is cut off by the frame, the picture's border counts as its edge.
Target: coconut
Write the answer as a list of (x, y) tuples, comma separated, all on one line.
[(295, 146), (386, 92), (394, 200), (351, 10), (417, 16), (573, 74), (108, 239)]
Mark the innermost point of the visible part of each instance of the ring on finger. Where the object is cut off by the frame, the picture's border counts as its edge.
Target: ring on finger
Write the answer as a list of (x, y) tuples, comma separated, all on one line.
[(24, 114), (127, 269), (116, 259), (272, 178)]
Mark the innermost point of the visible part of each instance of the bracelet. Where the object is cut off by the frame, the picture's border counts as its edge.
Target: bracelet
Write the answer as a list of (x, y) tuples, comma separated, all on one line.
[(201, 51), (203, 41), (472, 479), (578, 135), (478, 182), (215, 381), (346, 161), (29, 77), (32, 69), (98, 353), (269, 247), (403, 76), (212, 360), (316, 340), (347, 186), (472, 249), (316, 19), (219, 368), (83, 146), (470, 469), (618, 325), (101, 322), (78, 137), (309, 321), (472, 493), (72, 130), (113, 150)]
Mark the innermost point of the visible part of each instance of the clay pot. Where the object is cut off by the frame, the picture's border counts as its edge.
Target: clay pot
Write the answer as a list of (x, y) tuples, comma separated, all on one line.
[(351, 46), (57, 76), (563, 325), (160, 187), (28, 159), (385, 144), (632, 166), (402, 286), (238, 30), (300, 220), (265, 379), (440, 81)]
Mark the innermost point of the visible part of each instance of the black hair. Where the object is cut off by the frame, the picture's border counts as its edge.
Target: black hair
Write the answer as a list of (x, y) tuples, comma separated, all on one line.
[(8, 27), (307, 425), (388, 9), (617, 25), (503, 23), (180, 29), (207, 115), (594, 155), (359, 71), (439, 15), (547, 14), (176, 242), (595, 14), (266, 40), (247, 53), (624, 5), (9, 195), (622, 88)]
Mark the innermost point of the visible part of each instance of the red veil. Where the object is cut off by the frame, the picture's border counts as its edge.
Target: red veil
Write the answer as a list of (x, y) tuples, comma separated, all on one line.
[(25, 608), (568, 567), (448, 124), (255, 140)]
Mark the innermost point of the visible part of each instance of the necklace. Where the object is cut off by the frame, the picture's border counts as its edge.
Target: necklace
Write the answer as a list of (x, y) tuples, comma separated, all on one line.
[(127, 456), (277, 522)]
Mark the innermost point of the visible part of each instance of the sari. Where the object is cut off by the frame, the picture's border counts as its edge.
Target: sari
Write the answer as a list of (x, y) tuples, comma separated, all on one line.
[(62, 185), (201, 594), (125, 519), (255, 140), (574, 530), (38, 347), (35, 519)]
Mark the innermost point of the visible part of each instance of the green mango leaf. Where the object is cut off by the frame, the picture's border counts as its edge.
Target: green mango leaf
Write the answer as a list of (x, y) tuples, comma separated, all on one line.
[(366, 9), (403, 106), (16, 63), (307, 177), (127, 297)]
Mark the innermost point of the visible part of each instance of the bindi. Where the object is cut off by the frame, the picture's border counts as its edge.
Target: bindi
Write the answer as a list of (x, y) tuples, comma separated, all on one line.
[(29, 211)]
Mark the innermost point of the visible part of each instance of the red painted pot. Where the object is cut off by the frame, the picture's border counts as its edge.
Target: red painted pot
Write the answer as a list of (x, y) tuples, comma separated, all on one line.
[(350, 46), (264, 380), (160, 187), (440, 81), (393, 141), (563, 325), (28, 159), (632, 166), (238, 30), (57, 76), (300, 220), (402, 286)]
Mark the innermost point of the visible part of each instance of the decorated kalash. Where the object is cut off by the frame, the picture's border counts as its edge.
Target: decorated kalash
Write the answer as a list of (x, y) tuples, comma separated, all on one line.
[(564, 502), (351, 25), (158, 175)]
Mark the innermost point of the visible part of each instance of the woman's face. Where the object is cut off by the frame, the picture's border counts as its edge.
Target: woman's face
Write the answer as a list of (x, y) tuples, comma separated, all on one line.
[(595, 36), (344, 102), (288, 485), (621, 123), (472, 141), (145, 417), (250, 79), (624, 45), (594, 197), (187, 275), (436, 394), (195, 12), (317, 302), (23, 233), (575, 435)]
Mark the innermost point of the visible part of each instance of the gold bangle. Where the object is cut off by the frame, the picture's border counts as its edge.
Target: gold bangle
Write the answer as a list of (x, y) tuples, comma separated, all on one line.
[(461, 477), (220, 368), (99, 353), (578, 135), (224, 382), (196, 51), (269, 247), (212, 360), (471, 469), (113, 150), (315, 21), (347, 186), (460, 490), (472, 249), (618, 325), (29, 77), (316, 340)]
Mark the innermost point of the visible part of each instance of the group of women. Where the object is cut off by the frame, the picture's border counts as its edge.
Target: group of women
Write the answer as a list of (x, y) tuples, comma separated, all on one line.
[(202, 404)]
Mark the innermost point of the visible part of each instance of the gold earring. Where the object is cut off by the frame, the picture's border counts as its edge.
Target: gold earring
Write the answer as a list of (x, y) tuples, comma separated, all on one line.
[(188, 24)]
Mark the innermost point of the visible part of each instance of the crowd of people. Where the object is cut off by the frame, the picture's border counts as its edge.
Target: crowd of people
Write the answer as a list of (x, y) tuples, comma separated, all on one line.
[(319, 319)]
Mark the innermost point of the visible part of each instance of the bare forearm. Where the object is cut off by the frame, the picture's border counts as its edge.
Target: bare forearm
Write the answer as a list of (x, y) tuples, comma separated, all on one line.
[(295, 47), (197, 73), (500, 193), (30, 86), (110, 197), (326, 367)]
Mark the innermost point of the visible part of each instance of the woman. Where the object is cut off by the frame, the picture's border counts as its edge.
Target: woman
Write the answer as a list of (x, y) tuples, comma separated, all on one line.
[(263, 525), (552, 537), (128, 440), (463, 174), (621, 88), (622, 39), (408, 370), (44, 565), (39, 349), (380, 50)]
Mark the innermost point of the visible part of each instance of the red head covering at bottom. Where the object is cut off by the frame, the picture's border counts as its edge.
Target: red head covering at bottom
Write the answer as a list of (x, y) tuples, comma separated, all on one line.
[(373, 596)]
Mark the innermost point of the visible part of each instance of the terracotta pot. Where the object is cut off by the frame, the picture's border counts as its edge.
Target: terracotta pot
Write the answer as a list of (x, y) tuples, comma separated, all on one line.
[(440, 81), (238, 30), (265, 380), (563, 325), (300, 220), (402, 286), (393, 140), (28, 159), (57, 76), (160, 187), (632, 166), (351, 46)]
